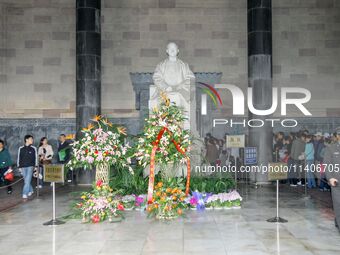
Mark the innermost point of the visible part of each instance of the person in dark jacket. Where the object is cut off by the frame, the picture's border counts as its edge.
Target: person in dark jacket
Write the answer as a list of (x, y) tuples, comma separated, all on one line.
[(297, 149), (5, 166), (64, 153), (27, 162), (63, 150), (332, 171)]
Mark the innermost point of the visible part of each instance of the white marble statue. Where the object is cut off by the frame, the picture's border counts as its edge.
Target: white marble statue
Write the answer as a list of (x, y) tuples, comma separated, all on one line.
[(174, 77)]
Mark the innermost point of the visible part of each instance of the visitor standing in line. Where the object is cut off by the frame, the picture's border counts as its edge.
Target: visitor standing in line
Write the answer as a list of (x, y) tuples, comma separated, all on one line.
[(27, 162), (310, 167), (332, 159), (298, 148), (45, 153), (64, 155), (5, 166)]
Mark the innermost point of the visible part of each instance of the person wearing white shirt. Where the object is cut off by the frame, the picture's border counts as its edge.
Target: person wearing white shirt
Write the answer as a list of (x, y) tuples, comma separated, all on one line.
[(45, 153)]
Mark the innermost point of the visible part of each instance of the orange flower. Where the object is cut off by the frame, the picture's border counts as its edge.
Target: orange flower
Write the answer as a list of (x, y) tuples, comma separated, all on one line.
[(168, 190), (156, 206), (174, 198), (107, 122), (89, 127), (97, 118), (158, 193), (179, 211), (163, 198), (182, 199), (149, 208), (160, 184), (122, 130)]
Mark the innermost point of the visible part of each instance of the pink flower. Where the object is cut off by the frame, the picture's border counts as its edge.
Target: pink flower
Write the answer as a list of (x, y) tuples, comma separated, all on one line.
[(120, 207), (90, 159), (193, 201), (95, 218), (99, 183)]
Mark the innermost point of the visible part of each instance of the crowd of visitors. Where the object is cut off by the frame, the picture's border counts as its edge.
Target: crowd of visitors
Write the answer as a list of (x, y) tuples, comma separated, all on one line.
[(30, 162), (304, 154), (216, 152)]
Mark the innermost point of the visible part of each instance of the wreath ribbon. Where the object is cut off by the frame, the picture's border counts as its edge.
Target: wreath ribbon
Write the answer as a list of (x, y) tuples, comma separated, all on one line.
[(152, 163)]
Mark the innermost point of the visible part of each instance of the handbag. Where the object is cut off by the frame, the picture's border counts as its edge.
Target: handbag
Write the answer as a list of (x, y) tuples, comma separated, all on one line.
[(9, 175)]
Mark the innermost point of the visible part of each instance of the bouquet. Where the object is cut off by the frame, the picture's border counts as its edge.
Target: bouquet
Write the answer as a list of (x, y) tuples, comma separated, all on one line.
[(167, 202), (173, 144), (102, 143), (99, 204)]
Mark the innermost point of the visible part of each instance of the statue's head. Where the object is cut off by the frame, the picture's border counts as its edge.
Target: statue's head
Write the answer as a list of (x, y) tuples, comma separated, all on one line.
[(172, 49)]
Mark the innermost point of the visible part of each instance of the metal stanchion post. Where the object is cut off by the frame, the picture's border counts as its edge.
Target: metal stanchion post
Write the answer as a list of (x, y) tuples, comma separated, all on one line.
[(38, 186), (235, 173), (306, 196), (277, 219), (278, 239), (54, 220)]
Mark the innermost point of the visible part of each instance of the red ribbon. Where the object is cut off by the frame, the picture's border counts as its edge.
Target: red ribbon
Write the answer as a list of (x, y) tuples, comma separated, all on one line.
[(152, 164)]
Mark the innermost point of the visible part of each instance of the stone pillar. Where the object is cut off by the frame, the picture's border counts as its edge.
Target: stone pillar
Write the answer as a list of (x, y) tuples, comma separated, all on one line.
[(260, 77), (88, 54), (88, 65)]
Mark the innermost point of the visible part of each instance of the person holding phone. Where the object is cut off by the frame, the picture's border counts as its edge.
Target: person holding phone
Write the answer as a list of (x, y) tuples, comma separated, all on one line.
[(332, 171)]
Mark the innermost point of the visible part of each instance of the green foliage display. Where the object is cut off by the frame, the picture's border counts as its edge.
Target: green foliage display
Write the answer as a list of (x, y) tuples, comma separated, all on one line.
[(125, 183), (214, 184)]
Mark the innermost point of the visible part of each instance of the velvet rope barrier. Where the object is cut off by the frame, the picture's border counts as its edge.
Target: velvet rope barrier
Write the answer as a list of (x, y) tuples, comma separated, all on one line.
[(152, 164)]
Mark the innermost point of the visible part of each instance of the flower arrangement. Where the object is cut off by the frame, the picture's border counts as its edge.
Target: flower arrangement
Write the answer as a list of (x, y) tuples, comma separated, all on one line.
[(129, 201), (167, 202), (196, 201), (101, 144), (99, 204), (224, 200), (140, 202), (169, 118)]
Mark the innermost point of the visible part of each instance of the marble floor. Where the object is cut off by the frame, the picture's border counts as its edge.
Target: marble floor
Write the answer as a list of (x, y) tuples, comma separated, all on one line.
[(310, 230)]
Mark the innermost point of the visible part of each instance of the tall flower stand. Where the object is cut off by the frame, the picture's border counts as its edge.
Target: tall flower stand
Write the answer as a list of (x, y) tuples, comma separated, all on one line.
[(103, 173)]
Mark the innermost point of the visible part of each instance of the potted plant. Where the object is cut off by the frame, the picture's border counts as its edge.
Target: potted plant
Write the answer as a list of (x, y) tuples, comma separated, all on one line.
[(140, 202), (129, 202)]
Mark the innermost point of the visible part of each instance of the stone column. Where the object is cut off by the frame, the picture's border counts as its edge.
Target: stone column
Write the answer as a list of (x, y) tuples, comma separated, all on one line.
[(88, 53), (88, 65), (260, 77)]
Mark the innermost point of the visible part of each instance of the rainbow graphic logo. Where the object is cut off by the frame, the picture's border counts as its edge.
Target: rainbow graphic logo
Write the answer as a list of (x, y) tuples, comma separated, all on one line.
[(212, 93)]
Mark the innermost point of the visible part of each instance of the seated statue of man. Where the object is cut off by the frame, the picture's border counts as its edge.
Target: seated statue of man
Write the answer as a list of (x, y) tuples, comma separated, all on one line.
[(173, 76)]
